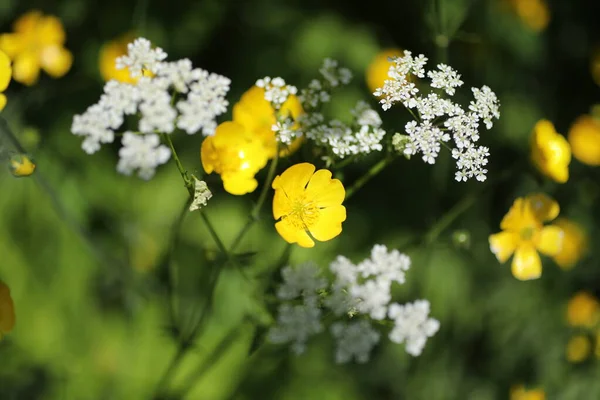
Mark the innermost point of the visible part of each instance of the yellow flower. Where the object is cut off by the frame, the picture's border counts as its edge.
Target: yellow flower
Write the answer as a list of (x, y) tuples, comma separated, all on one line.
[(584, 137), (583, 310), (108, 55), (575, 243), (377, 71), (520, 393), (236, 154), (550, 151), (7, 310), (578, 348), (21, 165), (5, 73), (37, 43), (534, 13), (524, 234), (308, 205), (257, 115)]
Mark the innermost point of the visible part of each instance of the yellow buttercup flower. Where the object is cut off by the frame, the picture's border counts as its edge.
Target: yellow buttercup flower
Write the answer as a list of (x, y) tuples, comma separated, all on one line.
[(108, 56), (5, 74), (578, 348), (37, 43), (520, 393), (236, 154), (7, 310), (21, 165), (575, 243), (533, 13), (524, 234), (583, 310), (550, 151), (584, 137), (377, 71), (257, 115), (308, 205)]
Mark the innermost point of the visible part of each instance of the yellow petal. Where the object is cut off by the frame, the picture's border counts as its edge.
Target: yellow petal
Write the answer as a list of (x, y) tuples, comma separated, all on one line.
[(377, 71), (583, 309), (292, 107), (575, 243), (503, 245), (253, 110), (526, 263), (239, 183), (584, 137), (550, 240), (292, 234), (27, 22), (21, 166), (50, 31), (12, 44), (543, 207), (293, 180), (26, 68), (208, 155), (2, 101), (329, 224), (281, 204), (324, 191), (7, 310), (108, 55), (5, 71), (578, 348), (517, 217), (56, 60)]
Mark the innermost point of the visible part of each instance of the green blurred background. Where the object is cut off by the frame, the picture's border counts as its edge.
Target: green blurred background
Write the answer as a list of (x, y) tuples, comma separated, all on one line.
[(82, 248)]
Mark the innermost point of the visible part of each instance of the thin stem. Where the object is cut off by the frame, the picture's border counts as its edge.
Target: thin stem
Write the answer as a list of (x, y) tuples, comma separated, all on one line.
[(372, 172), (184, 175), (214, 234)]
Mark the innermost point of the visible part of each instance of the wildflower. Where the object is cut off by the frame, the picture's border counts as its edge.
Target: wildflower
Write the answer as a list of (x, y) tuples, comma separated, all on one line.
[(296, 324), (201, 195), (550, 151), (141, 57), (303, 280), (7, 310), (574, 246), (520, 393), (533, 13), (583, 310), (21, 165), (109, 53), (524, 234), (5, 74), (276, 91), (354, 340), (578, 348), (306, 202), (37, 43), (377, 71), (584, 137), (412, 325)]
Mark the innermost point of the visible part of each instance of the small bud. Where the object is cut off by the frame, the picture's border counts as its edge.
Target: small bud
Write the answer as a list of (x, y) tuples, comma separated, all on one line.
[(399, 141), (461, 239), (201, 195), (21, 165)]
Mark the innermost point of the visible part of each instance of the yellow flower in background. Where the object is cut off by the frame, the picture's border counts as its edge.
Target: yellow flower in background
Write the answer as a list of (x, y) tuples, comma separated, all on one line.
[(550, 151), (575, 243), (5, 74), (520, 393), (108, 56), (236, 154), (377, 71), (533, 13), (21, 165), (7, 310), (37, 43), (524, 234), (583, 310), (584, 137), (578, 348), (257, 115), (308, 205)]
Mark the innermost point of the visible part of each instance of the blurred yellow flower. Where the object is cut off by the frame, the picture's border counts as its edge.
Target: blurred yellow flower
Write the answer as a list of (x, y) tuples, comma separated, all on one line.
[(7, 310), (524, 234), (533, 13), (21, 165), (308, 205), (377, 71), (257, 115), (550, 151), (5, 74), (236, 154), (108, 56), (575, 243), (584, 137), (578, 348), (37, 43), (520, 393), (583, 310)]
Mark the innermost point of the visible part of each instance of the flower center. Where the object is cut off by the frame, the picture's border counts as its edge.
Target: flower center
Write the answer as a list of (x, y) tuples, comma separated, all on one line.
[(527, 233), (304, 213)]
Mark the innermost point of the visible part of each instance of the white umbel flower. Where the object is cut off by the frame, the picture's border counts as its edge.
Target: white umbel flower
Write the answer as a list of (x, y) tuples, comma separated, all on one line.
[(354, 340), (201, 195), (303, 280), (141, 153), (296, 324), (276, 90), (412, 325), (141, 57)]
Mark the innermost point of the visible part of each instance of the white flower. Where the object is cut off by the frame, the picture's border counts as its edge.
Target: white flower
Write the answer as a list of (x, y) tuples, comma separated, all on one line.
[(486, 105), (201, 195), (340, 302), (141, 57), (302, 280), (296, 324), (95, 126), (285, 131), (276, 90), (412, 325), (354, 340), (365, 115), (446, 78), (346, 273), (333, 74), (383, 265), (373, 297), (143, 153)]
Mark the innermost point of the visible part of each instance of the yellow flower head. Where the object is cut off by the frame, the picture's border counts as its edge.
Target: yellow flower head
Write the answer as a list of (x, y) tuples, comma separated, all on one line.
[(7, 310), (583, 310), (520, 393), (534, 13), (550, 151), (584, 137), (257, 115), (308, 205), (578, 348), (575, 243), (108, 56), (524, 234), (37, 43), (5, 74), (377, 71), (236, 154), (21, 165)]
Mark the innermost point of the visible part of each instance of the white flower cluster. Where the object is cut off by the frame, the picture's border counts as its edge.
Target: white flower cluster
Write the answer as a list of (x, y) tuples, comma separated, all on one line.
[(166, 95), (438, 119), (143, 153), (276, 90), (318, 91), (201, 195), (359, 296)]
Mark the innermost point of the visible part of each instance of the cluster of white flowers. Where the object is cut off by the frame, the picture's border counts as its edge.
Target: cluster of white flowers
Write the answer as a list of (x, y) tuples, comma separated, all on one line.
[(438, 119), (201, 195), (359, 296), (318, 91), (166, 95), (276, 90)]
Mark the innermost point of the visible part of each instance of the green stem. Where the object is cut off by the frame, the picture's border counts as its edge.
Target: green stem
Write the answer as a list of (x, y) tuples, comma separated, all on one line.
[(375, 169), (214, 234), (189, 184)]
